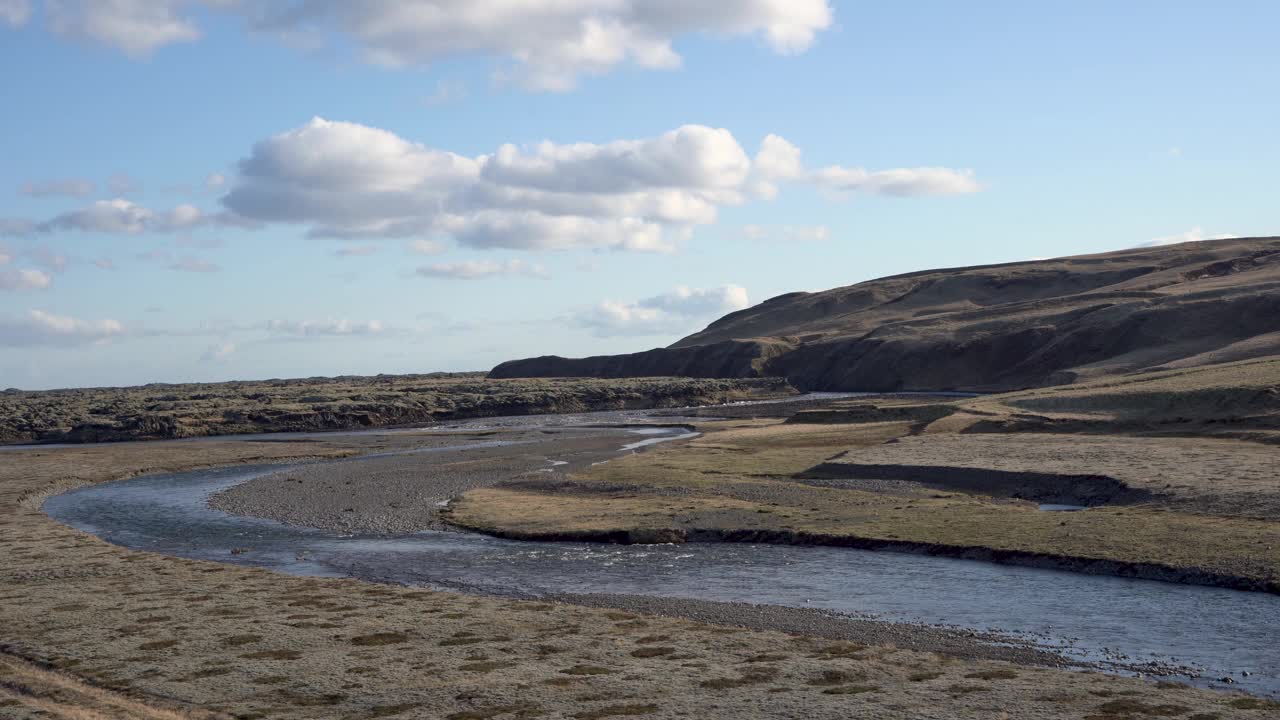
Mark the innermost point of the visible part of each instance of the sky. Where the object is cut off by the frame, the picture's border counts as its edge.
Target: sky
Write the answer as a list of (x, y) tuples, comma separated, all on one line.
[(205, 190)]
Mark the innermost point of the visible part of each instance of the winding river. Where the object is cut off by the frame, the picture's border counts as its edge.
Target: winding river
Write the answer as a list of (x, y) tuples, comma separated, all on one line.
[(1216, 633)]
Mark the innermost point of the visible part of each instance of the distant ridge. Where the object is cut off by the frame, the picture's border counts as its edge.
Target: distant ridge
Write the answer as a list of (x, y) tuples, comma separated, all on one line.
[(986, 328)]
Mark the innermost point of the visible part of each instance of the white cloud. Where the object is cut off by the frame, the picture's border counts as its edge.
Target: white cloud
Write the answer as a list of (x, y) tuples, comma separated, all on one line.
[(695, 302), (218, 353), (40, 328), (24, 279), (1195, 234), (692, 157), (215, 181), (479, 269), (779, 160), (533, 230), (786, 233), (135, 27), (671, 313), (110, 216), (548, 43), (346, 180), (324, 328), (70, 187), (541, 44), (776, 160), (15, 13), (104, 264), (899, 182), (125, 217), (21, 279)]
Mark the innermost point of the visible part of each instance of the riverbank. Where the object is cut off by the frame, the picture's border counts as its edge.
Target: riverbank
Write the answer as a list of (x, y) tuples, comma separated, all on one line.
[(225, 641)]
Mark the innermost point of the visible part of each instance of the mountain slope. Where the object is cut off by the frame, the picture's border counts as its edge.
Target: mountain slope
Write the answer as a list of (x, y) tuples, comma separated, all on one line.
[(993, 327)]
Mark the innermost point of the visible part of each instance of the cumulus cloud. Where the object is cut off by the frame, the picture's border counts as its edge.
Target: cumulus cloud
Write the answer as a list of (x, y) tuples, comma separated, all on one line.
[(786, 233), (671, 313), (71, 187), (40, 328), (15, 13), (215, 181), (346, 180), (1195, 234), (540, 44), (324, 328), (480, 269), (135, 27)]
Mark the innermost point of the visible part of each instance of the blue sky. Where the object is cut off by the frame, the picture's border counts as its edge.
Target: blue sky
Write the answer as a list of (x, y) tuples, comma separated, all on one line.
[(205, 190)]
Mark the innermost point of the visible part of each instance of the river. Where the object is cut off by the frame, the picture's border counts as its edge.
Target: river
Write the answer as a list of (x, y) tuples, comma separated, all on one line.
[(1216, 632)]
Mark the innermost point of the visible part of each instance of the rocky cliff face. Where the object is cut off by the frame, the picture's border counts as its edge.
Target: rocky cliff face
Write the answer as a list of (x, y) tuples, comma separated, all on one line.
[(994, 327)]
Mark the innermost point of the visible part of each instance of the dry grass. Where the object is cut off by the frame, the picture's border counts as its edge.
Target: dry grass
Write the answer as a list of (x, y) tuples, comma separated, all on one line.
[(58, 695)]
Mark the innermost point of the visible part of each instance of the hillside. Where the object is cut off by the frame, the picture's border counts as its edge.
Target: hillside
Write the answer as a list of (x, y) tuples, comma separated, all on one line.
[(987, 328)]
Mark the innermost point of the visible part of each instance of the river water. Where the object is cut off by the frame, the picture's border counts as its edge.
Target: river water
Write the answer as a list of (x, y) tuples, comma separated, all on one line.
[(1217, 633)]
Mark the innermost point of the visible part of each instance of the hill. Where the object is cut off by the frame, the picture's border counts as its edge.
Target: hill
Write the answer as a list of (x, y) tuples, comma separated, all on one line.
[(987, 328)]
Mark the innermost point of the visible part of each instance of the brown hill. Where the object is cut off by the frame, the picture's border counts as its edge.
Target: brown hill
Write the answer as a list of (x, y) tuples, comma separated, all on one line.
[(988, 328)]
